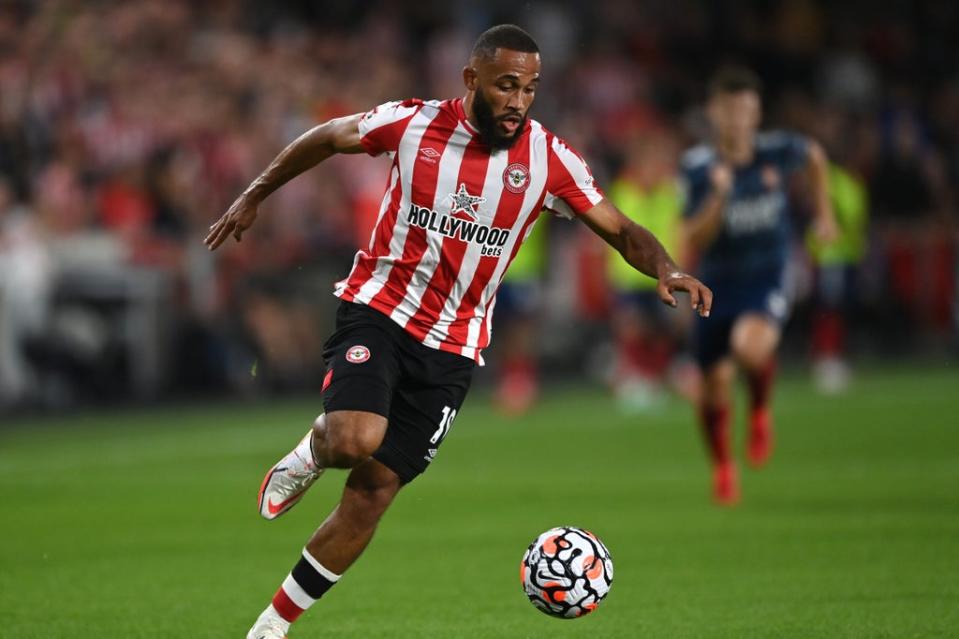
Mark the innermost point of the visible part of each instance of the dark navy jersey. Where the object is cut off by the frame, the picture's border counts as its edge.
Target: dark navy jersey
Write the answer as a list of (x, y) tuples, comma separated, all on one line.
[(754, 238)]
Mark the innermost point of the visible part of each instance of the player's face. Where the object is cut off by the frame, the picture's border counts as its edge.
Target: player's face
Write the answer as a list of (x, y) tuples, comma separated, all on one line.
[(735, 116), (502, 89)]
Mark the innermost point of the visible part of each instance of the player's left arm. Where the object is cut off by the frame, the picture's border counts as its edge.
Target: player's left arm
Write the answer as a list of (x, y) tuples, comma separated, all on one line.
[(643, 251), (817, 167)]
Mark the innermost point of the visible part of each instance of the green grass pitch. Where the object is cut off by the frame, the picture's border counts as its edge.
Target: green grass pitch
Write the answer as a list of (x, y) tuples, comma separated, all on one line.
[(143, 523)]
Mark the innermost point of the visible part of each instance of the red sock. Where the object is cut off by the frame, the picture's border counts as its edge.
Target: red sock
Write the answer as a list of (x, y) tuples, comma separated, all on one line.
[(307, 582), (715, 423), (828, 334), (760, 420), (760, 385), (517, 385)]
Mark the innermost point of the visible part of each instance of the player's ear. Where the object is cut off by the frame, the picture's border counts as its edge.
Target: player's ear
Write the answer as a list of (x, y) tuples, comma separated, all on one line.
[(470, 78)]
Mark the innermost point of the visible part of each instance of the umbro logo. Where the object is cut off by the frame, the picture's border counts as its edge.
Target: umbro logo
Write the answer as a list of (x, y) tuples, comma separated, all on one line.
[(429, 155)]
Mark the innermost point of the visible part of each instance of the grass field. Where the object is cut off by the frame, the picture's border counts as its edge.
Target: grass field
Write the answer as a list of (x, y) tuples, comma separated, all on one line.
[(143, 524)]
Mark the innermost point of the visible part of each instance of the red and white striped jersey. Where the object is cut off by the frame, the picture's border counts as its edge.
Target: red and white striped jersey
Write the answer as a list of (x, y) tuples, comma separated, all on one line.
[(453, 217)]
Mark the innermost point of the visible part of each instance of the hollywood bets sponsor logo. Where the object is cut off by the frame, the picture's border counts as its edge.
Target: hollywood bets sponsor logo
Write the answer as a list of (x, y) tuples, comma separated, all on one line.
[(490, 239)]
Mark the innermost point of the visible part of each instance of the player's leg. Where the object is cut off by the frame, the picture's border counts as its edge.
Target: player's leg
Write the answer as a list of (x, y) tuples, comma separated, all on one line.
[(429, 393), (754, 340), (426, 389), (336, 544), (711, 350), (644, 347), (715, 417), (518, 385), (340, 439), (829, 367), (344, 438), (362, 367), (339, 541)]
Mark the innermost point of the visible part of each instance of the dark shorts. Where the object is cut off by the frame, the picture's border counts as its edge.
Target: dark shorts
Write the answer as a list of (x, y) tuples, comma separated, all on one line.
[(762, 296), (834, 282), (373, 365), (517, 298), (644, 302)]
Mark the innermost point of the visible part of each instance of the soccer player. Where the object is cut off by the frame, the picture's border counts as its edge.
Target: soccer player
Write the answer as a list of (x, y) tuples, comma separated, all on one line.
[(519, 299), (469, 177), (736, 218), (648, 193), (836, 269)]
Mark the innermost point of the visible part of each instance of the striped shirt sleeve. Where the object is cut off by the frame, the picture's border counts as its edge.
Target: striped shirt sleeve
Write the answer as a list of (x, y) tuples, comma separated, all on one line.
[(571, 189), (382, 127)]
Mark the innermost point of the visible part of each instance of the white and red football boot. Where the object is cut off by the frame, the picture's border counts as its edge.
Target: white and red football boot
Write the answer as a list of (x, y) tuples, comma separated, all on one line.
[(269, 625), (286, 483)]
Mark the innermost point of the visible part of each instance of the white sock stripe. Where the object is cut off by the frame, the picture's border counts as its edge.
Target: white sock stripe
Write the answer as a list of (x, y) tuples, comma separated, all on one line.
[(296, 594), (320, 568)]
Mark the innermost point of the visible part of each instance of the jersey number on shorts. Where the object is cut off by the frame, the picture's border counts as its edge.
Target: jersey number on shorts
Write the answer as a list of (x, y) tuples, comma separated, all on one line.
[(449, 414)]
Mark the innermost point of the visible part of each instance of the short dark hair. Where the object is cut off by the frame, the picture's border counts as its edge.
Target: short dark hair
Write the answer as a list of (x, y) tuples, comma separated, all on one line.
[(733, 79), (503, 36)]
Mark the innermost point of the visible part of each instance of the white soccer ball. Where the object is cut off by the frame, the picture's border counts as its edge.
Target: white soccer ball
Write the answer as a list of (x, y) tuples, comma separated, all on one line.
[(566, 572)]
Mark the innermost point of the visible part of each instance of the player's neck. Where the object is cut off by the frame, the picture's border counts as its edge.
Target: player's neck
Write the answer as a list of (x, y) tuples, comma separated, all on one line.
[(468, 110), (736, 152)]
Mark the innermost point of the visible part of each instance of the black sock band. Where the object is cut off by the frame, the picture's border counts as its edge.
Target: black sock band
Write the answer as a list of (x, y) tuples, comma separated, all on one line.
[(312, 577)]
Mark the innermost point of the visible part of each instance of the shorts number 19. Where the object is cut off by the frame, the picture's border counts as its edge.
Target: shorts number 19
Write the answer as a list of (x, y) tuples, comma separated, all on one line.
[(449, 414)]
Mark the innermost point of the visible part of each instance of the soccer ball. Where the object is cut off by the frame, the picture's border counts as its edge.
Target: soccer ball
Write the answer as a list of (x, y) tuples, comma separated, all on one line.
[(566, 572)]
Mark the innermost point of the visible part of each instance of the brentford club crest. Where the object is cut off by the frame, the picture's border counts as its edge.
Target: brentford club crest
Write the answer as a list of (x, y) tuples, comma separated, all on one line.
[(516, 178), (357, 354)]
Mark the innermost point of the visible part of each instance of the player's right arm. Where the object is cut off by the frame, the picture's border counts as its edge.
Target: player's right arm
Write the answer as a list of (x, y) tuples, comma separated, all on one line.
[(702, 226), (340, 135)]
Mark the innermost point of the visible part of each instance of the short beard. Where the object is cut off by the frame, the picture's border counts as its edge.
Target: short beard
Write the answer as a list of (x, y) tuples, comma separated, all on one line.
[(489, 127)]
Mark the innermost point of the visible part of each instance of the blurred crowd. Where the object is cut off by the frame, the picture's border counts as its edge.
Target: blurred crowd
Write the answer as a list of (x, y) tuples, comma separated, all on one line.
[(126, 128)]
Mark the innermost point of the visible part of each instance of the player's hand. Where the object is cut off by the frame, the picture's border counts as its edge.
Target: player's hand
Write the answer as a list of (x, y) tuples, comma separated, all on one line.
[(699, 294), (238, 218), (825, 229), (721, 177)]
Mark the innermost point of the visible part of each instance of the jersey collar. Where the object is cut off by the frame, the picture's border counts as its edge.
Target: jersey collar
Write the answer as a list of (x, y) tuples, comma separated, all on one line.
[(461, 115)]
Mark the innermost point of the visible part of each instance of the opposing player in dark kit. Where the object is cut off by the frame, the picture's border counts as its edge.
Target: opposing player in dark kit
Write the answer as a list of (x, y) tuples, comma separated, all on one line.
[(737, 218), (469, 178)]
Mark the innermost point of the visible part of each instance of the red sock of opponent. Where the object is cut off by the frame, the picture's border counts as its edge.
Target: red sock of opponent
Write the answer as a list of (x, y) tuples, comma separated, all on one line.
[(715, 425), (760, 418)]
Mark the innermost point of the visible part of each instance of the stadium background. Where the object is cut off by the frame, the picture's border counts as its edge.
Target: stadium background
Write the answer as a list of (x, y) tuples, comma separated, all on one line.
[(126, 128)]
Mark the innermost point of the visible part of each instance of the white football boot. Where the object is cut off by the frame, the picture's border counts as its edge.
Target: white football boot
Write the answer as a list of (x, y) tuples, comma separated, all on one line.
[(269, 625), (286, 483)]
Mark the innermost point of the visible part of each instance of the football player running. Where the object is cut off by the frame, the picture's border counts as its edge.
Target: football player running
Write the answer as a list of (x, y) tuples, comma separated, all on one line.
[(736, 218), (469, 177)]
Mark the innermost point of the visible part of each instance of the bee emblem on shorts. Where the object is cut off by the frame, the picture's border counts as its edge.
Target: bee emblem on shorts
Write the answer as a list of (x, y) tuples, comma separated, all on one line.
[(357, 354)]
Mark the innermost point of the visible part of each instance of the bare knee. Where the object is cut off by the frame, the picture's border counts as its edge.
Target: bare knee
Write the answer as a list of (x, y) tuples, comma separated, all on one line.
[(343, 439), (754, 341)]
